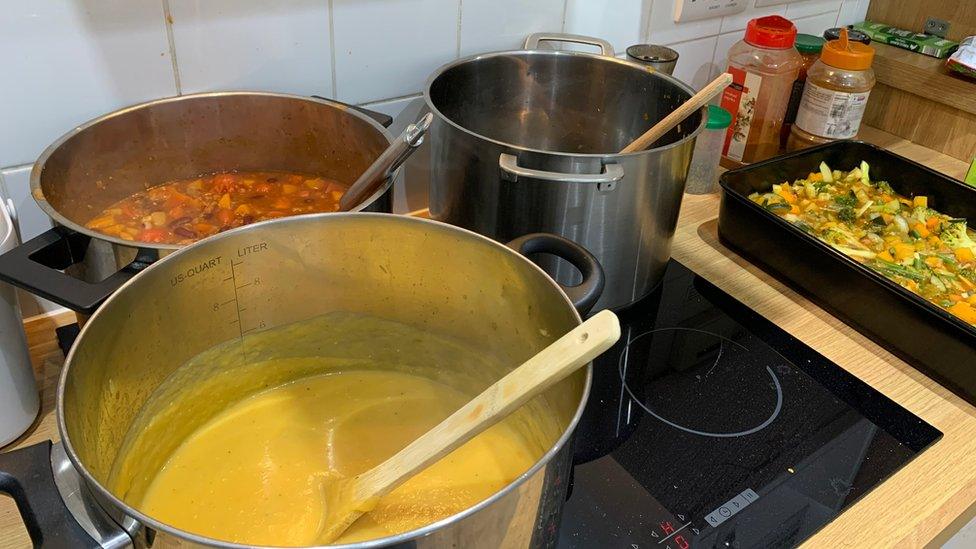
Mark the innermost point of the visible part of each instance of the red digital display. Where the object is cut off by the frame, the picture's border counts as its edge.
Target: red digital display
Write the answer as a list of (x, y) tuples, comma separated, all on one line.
[(681, 542), (667, 527)]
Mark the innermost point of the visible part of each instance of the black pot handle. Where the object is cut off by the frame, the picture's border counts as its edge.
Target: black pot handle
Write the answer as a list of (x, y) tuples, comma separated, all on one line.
[(26, 476), (36, 267), (385, 120), (585, 294)]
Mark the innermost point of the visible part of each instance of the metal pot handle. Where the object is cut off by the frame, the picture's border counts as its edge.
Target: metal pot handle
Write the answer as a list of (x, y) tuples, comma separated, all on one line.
[(27, 477), (585, 294), (36, 267), (511, 171), (532, 41)]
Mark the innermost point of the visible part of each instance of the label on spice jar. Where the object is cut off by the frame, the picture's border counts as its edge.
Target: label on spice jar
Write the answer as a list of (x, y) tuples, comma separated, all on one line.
[(831, 113), (740, 100)]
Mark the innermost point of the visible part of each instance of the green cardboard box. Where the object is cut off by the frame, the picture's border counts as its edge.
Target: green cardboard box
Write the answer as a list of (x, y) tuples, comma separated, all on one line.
[(927, 44)]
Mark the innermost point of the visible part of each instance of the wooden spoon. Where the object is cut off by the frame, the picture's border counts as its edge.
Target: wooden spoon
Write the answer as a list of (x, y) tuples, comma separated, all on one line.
[(348, 499), (678, 115)]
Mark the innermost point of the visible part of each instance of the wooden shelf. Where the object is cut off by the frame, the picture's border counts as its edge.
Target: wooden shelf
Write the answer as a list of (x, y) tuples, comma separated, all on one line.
[(923, 76)]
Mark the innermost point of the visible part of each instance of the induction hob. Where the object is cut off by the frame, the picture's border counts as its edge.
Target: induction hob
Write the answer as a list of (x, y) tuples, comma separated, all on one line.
[(708, 426)]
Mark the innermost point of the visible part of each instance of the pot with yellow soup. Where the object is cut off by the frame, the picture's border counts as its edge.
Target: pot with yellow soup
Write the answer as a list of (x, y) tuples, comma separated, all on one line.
[(210, 400)]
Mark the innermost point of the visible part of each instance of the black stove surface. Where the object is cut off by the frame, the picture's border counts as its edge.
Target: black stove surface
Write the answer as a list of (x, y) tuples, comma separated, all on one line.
[(708, 426)]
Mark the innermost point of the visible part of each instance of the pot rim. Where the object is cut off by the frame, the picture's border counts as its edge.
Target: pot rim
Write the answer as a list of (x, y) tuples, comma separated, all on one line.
[(144, 519), (596, 56), (36, 170)]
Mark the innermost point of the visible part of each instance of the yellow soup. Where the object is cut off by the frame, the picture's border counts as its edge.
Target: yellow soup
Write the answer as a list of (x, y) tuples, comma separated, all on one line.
[(254, 472)]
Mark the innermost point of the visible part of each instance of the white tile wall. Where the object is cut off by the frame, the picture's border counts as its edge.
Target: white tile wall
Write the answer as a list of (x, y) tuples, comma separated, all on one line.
[(737, 22), (386, 48), (494, 25), (725, 41), (852, 11), (815, 24), (66, 61), (621, 22), (812, 7), (281, 46), (695, 61), (663, 29)]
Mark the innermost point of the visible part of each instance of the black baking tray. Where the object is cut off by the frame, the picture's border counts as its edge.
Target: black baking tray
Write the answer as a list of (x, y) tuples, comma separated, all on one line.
[(927, 337)]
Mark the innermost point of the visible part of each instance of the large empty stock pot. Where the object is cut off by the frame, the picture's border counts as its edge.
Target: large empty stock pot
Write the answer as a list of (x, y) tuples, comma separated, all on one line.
[(113, 156), (527, 141), (235, 286)]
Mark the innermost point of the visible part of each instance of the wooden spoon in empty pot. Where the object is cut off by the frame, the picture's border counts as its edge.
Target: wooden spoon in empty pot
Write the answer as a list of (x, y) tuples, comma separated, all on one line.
[(348, 499)]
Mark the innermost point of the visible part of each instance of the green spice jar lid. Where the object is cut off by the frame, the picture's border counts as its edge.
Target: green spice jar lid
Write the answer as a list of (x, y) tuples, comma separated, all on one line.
[(808, 43), (718, 118)]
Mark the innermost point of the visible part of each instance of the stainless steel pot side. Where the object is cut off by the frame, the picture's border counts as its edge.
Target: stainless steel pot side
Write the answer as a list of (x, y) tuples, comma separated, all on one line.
[(526, 141), (428, 274), (113, 156)]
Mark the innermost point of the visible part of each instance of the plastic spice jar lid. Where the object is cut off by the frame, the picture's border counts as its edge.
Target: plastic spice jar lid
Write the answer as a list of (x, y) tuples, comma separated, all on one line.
[(809, 44), (844, 54), (718, 118), (771, 31), (853, 34)]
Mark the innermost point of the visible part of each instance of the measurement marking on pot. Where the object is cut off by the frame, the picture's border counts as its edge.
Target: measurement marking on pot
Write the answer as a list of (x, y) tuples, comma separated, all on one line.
[(197, 269), (240, 325), (237, 282)]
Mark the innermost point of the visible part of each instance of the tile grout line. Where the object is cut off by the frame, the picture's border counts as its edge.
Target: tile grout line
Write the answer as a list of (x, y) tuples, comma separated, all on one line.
[(460, 7), (646, 31), (715, 73), (565, 12), (332, 48), (168, 21)]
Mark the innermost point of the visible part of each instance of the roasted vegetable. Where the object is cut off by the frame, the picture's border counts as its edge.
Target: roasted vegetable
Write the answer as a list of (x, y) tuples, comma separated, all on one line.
[(902, 238)]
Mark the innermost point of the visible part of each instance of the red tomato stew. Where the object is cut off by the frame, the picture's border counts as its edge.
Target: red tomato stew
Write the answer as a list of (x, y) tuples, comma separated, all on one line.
[(186, 210)]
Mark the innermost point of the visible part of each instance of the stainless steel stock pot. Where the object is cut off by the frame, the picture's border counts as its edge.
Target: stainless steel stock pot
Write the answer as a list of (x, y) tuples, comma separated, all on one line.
[(113, 156), (430, 275), (527, 141)]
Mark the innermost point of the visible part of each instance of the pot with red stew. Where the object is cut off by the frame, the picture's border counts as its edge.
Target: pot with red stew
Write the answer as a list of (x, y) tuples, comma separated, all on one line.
[(132, 186)]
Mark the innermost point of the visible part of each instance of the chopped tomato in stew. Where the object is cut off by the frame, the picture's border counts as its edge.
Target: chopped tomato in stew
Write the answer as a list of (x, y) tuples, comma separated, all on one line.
[(185, 210)]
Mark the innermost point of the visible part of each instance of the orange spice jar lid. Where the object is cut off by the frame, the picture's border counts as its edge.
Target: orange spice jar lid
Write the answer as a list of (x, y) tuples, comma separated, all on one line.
[(844, 54)]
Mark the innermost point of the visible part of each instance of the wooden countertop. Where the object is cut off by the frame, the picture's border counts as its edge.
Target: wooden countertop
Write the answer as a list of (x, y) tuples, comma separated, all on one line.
[(923, 504)]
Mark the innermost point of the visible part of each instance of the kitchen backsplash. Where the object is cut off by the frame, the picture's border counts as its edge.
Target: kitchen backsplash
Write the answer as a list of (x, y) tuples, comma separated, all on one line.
[(66, 61)]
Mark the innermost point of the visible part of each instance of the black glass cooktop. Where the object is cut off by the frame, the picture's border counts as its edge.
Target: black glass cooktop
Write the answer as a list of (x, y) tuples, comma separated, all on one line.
[(708, 426)]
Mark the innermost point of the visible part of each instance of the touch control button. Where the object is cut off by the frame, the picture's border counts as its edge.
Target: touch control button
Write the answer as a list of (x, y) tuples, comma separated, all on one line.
[(731, 507)]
